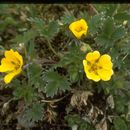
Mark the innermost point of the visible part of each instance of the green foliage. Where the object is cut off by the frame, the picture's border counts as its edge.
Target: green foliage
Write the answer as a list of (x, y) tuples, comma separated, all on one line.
[(25, 37), (35, 113), (76, 120), (95, 23), (48, 31), (35, 72), (55, 83), (37, 22), (67, 18), (23, 91), (119, 124), (31, 115), (45, 76), (73, 62)]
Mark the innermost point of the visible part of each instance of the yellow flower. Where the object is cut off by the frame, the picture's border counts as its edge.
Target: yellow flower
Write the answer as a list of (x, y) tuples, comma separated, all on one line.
[(79, 28), (98, 67), (11, 64)]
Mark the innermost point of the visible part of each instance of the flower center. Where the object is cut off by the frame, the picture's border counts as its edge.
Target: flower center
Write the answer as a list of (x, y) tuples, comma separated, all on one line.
[(94, 67), (79, 29), (16, 64)]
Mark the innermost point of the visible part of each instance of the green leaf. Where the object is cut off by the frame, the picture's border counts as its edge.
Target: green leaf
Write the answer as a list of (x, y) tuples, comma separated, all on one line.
[(118, 33), (95, 23), (27, 36), (35, 113), (112, 9), (108, 27), (119, 124), (77, 120), (122, 16), (31, 115), (39, 23), (50, 30), (74, 56), (121, 103), (23, 91), (67, 18), (35, 72), (73, 72), (55, 83), (103, 41)]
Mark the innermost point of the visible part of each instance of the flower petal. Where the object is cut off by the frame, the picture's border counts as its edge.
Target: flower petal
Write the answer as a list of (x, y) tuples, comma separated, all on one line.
[(84, 24), (79, 28), (11, 75), (105, 62), (105, 74), (19, 57), (92, 56), (90, 75), (6, 65), (14, 56), (79, 34)]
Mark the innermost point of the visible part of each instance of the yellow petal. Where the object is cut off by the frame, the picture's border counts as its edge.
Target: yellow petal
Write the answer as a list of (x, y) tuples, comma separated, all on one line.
[(105, 62), (84, 24), (79, 34), (86, 66), (93, 56), (19, 57), (14, 56), (6, 65), (90, 75), (79, 28), (11, 75), (104, 74)]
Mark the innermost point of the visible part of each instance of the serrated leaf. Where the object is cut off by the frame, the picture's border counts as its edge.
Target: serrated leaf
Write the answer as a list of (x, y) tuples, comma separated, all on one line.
[(35, 72), (50, 30), (34, 114), (95, 23), (55, 83), (104, 41), (112, 9), (75, 119), (119, 124), (118, 33), (73, 62), (108, 27), (122, 16), (126, 47), (27, 36), (24, 92), (67, 18), (31, 115), (39, 23), (74, 73), (74, 56)]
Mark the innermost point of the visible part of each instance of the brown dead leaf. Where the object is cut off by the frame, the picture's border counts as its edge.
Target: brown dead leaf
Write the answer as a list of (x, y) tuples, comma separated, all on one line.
[(5, 107), (50, 115), (80, 98), (93, 114), (110, 102), (102, 125)]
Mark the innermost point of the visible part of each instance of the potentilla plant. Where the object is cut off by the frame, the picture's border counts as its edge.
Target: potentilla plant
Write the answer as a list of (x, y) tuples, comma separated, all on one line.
[(91, 69)]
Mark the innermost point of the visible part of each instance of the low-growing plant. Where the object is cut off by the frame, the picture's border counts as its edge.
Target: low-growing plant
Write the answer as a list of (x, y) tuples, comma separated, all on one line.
[(77, 65)]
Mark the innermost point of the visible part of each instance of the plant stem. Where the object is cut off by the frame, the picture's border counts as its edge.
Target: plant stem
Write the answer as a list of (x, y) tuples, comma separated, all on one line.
[(52, 49), (26, 55), (93, 8)]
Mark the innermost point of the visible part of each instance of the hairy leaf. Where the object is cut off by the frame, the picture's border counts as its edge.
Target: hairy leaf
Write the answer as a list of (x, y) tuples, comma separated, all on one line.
[(55, 83)]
